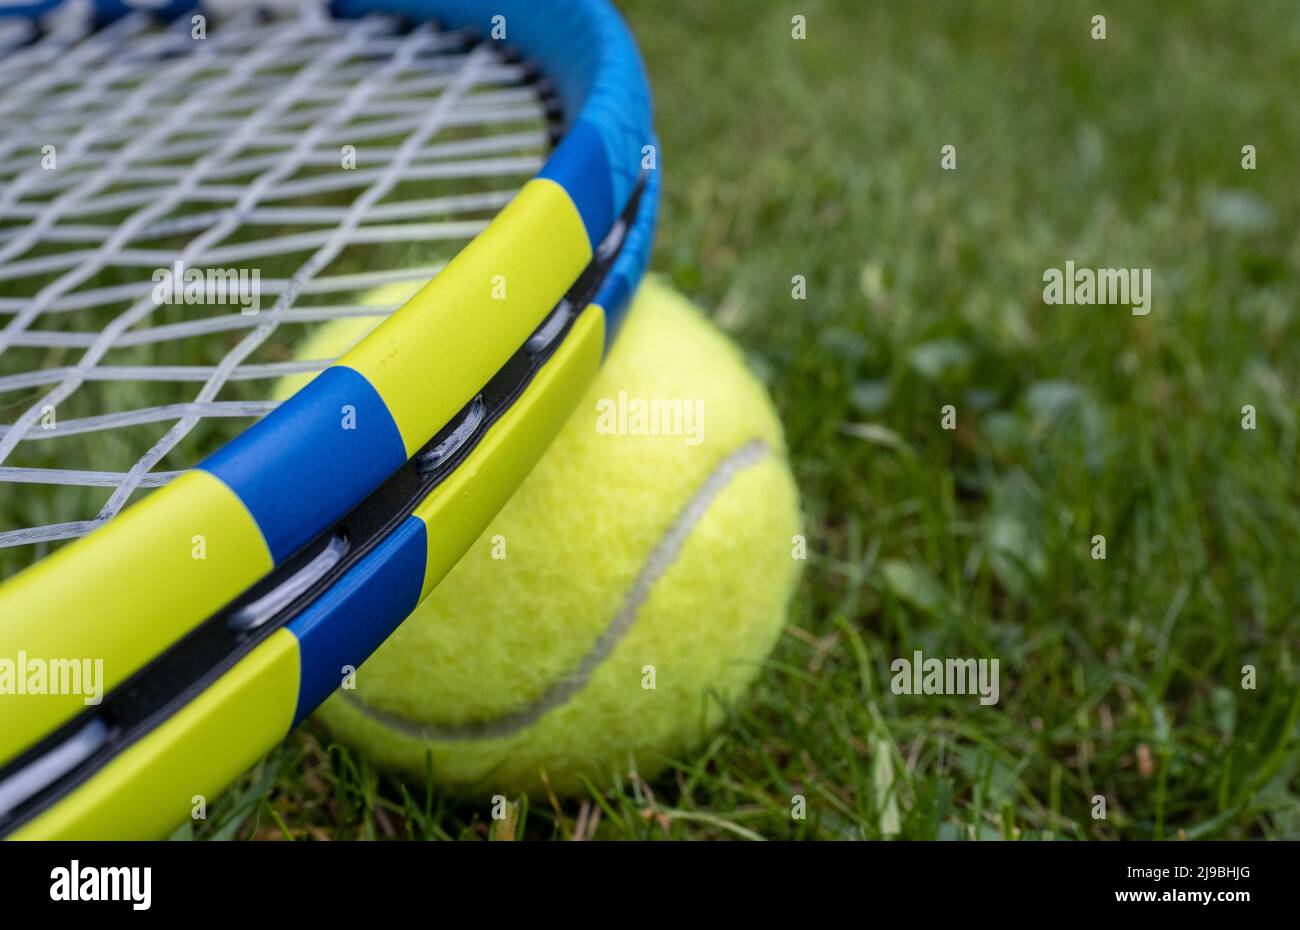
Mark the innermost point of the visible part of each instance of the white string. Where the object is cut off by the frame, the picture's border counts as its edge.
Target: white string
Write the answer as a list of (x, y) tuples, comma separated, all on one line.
[(232, 144)]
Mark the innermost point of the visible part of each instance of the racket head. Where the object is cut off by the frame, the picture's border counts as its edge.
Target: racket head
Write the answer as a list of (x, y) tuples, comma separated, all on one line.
[(132, 590)]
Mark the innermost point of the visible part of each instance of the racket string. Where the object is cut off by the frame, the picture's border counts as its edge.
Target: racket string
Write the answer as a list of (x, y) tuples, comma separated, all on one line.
[(264, 54), (318, 261), (256, 145)]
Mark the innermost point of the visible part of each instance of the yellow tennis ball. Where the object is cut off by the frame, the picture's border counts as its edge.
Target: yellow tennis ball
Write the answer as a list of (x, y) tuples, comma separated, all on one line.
[(635, 582)]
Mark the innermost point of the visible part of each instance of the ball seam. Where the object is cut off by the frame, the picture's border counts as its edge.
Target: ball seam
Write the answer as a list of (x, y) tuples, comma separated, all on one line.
[(662, 556)]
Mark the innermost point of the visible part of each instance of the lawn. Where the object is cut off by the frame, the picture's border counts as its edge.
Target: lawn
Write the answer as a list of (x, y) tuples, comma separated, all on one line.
[(1121, 678)]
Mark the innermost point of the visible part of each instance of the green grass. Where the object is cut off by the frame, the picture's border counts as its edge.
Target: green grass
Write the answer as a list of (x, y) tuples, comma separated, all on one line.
[(1120, 678)]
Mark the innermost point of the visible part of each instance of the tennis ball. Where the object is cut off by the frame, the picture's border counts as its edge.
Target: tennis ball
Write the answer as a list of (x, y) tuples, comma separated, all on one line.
[(632, 586)]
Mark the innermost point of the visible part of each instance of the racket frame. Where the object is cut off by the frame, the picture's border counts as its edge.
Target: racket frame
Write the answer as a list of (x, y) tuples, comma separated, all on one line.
[(246, 696)]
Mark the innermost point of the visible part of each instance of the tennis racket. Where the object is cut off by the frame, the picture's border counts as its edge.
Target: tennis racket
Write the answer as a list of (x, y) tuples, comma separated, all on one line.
[(189, 565)]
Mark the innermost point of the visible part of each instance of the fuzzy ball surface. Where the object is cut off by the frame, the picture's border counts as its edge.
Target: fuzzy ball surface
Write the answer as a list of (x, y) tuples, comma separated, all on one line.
[(626, 594)]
